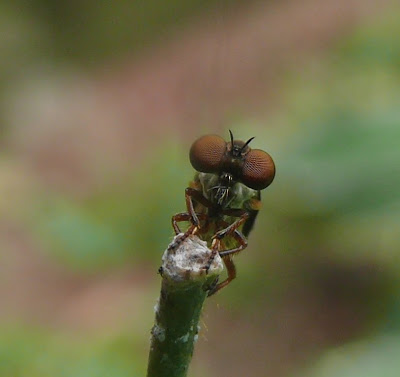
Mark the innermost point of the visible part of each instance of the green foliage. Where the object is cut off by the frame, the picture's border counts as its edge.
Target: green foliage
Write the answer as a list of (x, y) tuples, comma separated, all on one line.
[(127, 221), (376, 44), (37, 353), (348, 164), (372, 358)]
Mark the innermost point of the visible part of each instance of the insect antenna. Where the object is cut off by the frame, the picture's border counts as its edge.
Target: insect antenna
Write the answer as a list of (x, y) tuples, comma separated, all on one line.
[(230, 132), (247, 143)]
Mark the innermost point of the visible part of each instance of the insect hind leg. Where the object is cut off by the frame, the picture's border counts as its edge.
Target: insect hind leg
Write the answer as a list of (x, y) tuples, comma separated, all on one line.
[(231, 269), (227, 254)]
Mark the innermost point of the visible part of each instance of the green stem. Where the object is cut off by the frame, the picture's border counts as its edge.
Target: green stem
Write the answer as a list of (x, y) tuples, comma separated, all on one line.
[(183, 291)]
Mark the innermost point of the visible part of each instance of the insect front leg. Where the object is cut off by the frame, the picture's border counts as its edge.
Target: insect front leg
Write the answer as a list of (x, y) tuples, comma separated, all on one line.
[(185, 216), (180, 236), (179, 217), (191, 215)]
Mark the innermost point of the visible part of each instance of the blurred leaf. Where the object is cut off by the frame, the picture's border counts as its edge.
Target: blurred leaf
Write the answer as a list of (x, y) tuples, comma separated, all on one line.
[(131, 219), (375, 43), (349, 163), (78, 238), (376, 357), (34, 352)]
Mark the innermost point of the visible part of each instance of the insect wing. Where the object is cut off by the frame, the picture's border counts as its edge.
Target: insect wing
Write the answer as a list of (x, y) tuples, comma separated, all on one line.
[(248, 225)]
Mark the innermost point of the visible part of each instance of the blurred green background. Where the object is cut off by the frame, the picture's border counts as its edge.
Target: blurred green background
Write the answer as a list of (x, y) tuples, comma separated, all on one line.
[(99, 104)]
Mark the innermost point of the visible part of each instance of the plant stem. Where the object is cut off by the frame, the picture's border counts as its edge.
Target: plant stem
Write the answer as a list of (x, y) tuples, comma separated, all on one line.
[(183, 291)]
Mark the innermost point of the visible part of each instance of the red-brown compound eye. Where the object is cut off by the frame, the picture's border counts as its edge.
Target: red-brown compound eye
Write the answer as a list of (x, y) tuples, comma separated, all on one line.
[(207, 152), (258, 170)]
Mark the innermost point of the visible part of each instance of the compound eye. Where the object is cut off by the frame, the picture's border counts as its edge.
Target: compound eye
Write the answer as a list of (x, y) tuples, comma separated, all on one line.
[(207, 152), (258, 170)]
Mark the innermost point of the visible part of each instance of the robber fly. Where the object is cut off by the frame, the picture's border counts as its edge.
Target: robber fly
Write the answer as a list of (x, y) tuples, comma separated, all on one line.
[(224, 198)]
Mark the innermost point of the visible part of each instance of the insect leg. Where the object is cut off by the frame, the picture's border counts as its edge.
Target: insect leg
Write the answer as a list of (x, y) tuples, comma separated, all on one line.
[(180, 237), (242, 244), (243, 216), (229, 230), (191, 215), (185, 216), (231, 269), (190, 195)]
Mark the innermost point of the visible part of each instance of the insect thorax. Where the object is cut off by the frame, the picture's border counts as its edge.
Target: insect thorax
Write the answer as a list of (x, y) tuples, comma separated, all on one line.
[(236, 195)]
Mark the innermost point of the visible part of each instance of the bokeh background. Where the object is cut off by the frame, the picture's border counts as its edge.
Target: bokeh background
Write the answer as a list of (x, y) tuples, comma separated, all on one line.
[(99, 104)]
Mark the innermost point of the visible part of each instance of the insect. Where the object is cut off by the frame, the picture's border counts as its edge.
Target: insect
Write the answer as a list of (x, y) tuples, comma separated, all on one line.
[(224, 198)]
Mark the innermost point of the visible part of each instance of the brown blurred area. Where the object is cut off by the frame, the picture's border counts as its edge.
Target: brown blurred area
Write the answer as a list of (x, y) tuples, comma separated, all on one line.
[(72, 130), (229, 62)]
